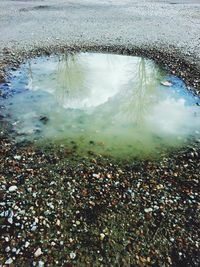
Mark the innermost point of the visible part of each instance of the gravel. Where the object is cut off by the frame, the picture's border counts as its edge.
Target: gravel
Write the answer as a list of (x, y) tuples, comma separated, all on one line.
[(58, 209), (84, 211)]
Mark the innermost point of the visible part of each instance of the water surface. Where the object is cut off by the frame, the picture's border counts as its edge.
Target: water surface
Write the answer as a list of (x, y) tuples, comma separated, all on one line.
[(106, 104)]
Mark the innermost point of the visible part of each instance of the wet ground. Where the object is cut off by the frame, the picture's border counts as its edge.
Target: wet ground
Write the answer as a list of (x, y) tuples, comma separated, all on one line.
[(95, 211)]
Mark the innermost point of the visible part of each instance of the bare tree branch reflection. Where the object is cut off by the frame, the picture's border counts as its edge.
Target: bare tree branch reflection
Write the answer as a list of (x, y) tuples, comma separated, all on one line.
[(72, 78), (30, 73), (140, 92)]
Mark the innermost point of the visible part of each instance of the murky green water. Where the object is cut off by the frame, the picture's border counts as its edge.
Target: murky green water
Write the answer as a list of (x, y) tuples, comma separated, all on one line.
[(106, 104)]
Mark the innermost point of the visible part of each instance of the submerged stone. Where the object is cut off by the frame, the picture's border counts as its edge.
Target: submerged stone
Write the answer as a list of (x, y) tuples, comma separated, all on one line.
[(113, 105)]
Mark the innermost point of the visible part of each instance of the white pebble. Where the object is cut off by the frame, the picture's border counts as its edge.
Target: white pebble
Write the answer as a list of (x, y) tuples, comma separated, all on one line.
[(40, 264), (10, 220), (33, 228), (7, 249), (7, 239), (12, 188), (148, 210), (72, 255), (9, 261), (17, 157), (58, 222), (27, 244), (96, 175), (38, 252)]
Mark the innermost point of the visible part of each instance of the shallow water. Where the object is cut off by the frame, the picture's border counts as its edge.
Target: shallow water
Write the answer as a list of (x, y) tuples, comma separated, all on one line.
[(100, 103)]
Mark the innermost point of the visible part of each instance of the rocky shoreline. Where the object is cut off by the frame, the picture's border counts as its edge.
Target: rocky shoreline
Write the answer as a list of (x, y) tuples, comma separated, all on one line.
[(59, 209)]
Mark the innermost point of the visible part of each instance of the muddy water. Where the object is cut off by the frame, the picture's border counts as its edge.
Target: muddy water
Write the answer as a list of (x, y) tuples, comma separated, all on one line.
[(113, 105)]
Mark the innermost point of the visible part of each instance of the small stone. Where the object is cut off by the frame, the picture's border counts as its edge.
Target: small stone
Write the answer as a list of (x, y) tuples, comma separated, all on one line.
[(10, 220), (17, 157), (33, 228), (12, 188), (40, 264), (72, 255), (27, 244), (38, 252), (78, 222), (102, 236), (7, 249), (96, 175), (58, 222), (147, 210), (9, 261), (44, 119), (5, 213), (148, 259), (166, 83), (7, 239)]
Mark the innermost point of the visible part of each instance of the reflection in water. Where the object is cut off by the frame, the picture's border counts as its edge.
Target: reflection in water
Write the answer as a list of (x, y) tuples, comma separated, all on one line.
[(139, 93), (108, 104), (71, 79)]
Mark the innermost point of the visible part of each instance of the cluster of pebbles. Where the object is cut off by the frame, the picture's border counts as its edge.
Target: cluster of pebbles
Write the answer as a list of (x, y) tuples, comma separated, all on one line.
[(91, 212), (58, 209)]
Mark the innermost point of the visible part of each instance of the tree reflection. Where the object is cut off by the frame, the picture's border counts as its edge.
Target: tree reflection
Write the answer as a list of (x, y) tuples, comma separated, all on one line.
[(30, 75), (71, 78), (139, 95)]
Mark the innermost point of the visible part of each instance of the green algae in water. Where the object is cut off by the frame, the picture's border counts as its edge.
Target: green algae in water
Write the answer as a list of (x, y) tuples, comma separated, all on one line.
[(105, 104)]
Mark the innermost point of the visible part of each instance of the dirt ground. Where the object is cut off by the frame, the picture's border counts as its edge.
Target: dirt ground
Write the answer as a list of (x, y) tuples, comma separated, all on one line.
[(57, 209)]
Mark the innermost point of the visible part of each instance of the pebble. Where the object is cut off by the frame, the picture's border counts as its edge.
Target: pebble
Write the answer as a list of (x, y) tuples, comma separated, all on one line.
[(147, 210), (102, 236), (17, 157), (38, 252), (7, 249), (12, 188), (72, 255), (27, 244), (58, 222), (10, 220), (166, 83), (33, 228), (7, 239), (9, 261), (96, 175), (40, 264)]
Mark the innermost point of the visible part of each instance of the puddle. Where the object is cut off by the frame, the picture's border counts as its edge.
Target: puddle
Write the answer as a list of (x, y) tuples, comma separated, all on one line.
[(113, 105)]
